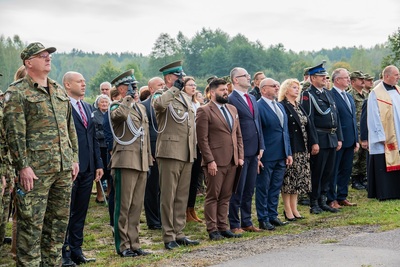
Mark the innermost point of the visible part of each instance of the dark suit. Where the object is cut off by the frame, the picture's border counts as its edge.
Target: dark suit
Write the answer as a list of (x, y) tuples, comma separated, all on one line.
[(295, 133), (363, 122), (255, 92), (89, 161), (217, 142), (252, 142), (152, 193), (329, 133), (338, 188), (277, 149)]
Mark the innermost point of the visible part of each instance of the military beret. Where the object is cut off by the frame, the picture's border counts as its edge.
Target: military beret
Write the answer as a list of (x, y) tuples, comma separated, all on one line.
[(209, 79), (318, 70), (306, 71), (125, 78), (368, 77), (357, 74), (173, 68), (34, 49)]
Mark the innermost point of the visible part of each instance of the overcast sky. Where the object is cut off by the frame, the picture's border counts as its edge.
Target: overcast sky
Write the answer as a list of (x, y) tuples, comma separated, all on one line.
[(123, 25)]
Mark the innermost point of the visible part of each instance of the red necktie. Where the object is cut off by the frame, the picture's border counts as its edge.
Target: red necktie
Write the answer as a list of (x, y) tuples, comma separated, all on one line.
[(83, 116), (249, 103)]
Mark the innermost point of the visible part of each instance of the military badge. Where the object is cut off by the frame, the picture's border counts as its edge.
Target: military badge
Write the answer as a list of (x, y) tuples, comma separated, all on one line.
[(305, 97)]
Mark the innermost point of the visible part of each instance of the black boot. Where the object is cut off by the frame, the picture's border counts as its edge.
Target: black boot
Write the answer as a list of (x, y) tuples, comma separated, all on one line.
[(322, 204), (314, 207), (357, 182)]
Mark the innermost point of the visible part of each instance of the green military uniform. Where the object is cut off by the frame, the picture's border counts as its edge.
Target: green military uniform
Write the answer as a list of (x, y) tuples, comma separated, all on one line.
[(360, 157), (175, 153), (41, 135), (130, 161), (6, 171)]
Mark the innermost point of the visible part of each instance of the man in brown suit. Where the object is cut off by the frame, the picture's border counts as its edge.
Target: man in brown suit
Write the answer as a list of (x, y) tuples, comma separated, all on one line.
[(130, 161), (175, 153), (220, 140)]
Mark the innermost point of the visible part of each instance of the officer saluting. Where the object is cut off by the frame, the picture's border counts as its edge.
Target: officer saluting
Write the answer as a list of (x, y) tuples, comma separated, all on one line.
[(321, 109), (175, 153), (130, 161)]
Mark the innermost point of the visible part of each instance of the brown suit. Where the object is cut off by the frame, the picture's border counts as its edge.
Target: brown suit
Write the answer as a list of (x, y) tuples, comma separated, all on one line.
[(129, 163), (217, 143), (175, 153)]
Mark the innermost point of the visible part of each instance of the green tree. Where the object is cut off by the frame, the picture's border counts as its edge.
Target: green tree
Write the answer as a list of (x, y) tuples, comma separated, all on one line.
[(107, 72), (394, 44)]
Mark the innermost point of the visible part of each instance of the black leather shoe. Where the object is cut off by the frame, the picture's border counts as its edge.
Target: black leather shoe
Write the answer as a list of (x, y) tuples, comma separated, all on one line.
[(326, 207), (81, 259), (155, 227), (358, 186), (128, 253), (277, 222), (141, 252), (7, 240), (289, 219), (187, 242), (229, 234), (67, 262), (266, 226), (171, 245), (215, 236)]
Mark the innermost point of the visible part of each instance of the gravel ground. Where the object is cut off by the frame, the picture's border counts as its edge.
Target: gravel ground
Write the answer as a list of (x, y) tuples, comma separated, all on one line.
[(228, 251)]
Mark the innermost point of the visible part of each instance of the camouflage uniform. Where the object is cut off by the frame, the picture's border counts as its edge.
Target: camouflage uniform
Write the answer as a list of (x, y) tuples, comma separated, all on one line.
[(41, 135), (360, 157)]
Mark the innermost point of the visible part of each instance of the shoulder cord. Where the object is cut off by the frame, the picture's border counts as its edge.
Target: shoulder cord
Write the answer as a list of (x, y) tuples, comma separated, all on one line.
[(175, 116), (326, 112), (135, 131)]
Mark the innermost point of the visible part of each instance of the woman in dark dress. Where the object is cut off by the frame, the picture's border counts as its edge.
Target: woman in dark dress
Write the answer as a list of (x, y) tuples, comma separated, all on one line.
[(297, 179)]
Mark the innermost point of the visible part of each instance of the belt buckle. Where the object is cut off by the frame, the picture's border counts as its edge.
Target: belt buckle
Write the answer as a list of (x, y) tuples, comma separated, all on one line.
[(333, 131)]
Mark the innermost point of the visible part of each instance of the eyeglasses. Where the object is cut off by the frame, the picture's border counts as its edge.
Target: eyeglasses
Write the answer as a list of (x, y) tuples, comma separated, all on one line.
[(43, 56), (191, 84), (272, 85), (244, 75)]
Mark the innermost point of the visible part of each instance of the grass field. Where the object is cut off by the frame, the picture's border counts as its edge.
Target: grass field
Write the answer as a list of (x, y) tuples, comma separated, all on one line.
[(99, 242)]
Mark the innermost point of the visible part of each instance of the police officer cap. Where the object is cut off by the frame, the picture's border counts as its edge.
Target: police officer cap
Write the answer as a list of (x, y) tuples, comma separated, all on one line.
[(357, 74), (211, 78), (173, 68), (125, 78), (306, 71), (368, 77), (34, 49), (318, 70)]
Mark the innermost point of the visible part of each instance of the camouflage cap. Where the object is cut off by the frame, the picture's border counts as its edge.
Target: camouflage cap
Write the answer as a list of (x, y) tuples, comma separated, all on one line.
[(368, 77), (209, 79), (125, 78), (227, 79), (34, 49), (306, 71), (357, 74), (173, 68)]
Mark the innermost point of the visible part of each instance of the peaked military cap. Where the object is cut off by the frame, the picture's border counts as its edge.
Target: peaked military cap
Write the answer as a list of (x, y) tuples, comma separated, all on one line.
[(34, 49), (209, 79), (357, 74), (125, 78), (368, 77), (173, 68), (318, 70)]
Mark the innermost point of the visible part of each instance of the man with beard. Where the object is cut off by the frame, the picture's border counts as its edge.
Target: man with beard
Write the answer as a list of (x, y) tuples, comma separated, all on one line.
[(220, 140)]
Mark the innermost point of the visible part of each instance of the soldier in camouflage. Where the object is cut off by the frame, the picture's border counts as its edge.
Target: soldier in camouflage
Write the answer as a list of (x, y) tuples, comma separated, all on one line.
[(43, 145), (359, 94)]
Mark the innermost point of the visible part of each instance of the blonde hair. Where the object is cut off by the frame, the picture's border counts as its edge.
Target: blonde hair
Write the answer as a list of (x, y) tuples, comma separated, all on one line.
[(285, 86), (20, 73)]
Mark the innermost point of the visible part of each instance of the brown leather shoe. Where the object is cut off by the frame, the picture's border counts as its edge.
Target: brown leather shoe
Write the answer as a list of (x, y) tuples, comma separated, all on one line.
[(189, 217), (347, 203), (237, 230), (334, 204), (252, 228), (194, 215)]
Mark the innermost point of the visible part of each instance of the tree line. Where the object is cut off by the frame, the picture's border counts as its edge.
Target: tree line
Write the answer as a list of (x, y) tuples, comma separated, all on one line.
[(208, 52)]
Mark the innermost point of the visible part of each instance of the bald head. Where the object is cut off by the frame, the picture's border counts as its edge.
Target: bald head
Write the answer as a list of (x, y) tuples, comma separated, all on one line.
[(155, 83)]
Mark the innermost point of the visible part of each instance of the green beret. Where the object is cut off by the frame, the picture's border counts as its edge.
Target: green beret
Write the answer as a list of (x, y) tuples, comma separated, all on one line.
[(34, 49)]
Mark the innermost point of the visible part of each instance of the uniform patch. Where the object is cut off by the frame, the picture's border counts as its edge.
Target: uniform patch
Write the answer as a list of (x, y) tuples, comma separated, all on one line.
[(305, 97), (156, 95), (113, 107), (7, 97)]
